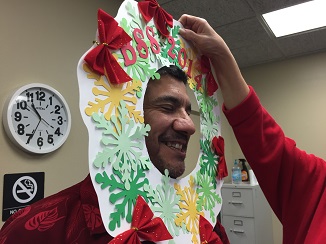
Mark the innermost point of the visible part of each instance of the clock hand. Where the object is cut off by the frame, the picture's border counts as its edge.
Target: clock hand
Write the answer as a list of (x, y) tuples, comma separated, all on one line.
[(33, 132), (47, 123), (39, 116)]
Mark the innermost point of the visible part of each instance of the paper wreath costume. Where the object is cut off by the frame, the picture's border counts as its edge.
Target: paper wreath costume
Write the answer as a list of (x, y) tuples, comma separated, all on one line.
[(112, 78)]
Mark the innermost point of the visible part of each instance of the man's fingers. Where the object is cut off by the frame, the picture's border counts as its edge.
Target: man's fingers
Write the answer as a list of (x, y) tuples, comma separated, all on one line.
[(187, 34)]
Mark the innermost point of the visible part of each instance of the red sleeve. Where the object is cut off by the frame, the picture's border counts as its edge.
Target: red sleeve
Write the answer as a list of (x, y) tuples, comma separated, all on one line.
[(292, 180)]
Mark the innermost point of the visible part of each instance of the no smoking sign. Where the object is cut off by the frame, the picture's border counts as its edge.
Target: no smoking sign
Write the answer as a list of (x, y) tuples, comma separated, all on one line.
[(21, 190)]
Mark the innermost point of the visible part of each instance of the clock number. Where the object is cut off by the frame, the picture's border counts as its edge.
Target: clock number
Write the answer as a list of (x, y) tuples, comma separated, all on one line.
[(30, 136), (22, 105), (40, 141), (57, 109), (20, 129), (60, 120), (51, 98), (57, 131), (40, 95), (29, 96), (18, 116), (50, 139)]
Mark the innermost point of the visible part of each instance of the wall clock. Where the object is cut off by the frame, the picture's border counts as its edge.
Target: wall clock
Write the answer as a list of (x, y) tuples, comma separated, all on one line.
[(37, 118)]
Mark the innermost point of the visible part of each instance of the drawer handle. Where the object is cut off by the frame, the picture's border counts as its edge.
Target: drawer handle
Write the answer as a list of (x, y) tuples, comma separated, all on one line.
[(235, 202), (237, 231)]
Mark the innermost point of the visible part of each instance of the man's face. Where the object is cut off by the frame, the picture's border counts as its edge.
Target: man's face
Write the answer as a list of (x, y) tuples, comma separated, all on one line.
[(166, 110)]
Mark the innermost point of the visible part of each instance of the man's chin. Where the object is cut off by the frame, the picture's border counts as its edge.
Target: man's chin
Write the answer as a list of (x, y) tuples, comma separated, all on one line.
[(177, 171)]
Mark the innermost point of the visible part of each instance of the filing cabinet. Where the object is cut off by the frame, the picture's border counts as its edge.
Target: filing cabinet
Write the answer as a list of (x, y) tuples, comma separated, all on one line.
[(246, 215)]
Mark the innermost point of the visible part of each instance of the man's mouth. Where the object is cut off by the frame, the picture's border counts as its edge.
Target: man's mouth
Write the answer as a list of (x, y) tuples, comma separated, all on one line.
[(177, 146)]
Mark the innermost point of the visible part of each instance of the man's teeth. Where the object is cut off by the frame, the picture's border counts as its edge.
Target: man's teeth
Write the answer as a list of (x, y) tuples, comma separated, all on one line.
[(174, 145)]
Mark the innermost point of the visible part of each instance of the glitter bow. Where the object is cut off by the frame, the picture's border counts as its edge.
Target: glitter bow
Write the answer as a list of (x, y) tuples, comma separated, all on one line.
[(206, 232), (151, 9), (218, 144), (211, 85), (100, 59), (143, 226)]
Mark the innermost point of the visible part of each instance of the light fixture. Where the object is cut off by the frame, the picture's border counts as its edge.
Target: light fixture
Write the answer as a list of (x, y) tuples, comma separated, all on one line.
[(298, 18)]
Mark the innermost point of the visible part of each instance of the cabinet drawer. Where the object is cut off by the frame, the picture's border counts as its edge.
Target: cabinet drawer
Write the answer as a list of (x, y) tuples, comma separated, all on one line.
[(239, 230), (237, 202)]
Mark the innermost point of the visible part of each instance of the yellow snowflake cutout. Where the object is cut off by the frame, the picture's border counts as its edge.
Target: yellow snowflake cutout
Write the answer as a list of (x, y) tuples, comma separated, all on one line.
[(189, 213), (111, 96)]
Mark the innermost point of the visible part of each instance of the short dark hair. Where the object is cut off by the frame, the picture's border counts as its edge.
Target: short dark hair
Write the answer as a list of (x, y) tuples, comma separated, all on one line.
[(173, 71)]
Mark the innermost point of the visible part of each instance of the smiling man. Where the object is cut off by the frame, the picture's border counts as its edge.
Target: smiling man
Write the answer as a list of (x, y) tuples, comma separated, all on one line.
[(166, 109)]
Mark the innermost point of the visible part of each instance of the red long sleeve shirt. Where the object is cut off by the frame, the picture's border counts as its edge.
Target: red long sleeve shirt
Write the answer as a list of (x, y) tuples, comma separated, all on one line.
[(292, 180), (70, 216)]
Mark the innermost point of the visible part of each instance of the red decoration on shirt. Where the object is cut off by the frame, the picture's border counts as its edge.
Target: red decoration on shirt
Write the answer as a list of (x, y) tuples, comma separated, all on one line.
[(151, 9), (143, 226), (218, 144), (206, 232), (43, 220), (100, 59), (211, 85)]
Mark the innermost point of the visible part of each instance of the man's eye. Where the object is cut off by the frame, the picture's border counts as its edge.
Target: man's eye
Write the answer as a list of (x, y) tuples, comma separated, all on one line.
[(168, 108)]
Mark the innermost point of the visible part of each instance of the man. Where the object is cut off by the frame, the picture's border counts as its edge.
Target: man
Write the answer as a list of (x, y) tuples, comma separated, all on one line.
[(292, 180), (72, 215), (166, 109)]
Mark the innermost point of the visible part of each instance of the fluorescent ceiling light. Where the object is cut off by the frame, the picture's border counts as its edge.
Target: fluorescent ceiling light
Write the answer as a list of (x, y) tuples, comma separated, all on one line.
[(298, 18)]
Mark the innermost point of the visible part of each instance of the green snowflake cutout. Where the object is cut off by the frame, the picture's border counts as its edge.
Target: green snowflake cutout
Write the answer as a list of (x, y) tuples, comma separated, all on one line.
[(209, 125), (123, 198), (122, 141), (206, 102), (165, 202), (208, 160), (207, 197)]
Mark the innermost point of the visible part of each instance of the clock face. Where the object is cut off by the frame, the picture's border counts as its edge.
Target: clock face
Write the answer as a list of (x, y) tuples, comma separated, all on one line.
[(38, 118)]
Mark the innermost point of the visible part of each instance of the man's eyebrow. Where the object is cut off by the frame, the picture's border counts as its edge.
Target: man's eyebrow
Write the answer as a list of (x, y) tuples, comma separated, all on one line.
[(172, 99)]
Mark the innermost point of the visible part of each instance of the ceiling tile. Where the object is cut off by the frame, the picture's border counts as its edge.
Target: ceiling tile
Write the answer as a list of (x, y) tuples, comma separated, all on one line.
[(265, 6), (303, 43), (256, 53), (216, 12), (243, 33)]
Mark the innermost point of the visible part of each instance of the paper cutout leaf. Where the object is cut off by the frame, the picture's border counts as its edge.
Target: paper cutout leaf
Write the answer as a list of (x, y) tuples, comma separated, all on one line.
[(189, 213), (125, 199), (207, 196), (208, 159), (165, 203)]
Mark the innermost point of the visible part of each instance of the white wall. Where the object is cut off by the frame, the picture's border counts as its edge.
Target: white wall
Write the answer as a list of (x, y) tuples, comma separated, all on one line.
[(42, 41)]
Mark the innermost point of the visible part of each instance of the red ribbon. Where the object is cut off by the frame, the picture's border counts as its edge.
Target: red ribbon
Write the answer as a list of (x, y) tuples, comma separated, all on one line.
[(100, 59), (218, 144), (206, 232), (211, 85), (143, 226), (151, 9)]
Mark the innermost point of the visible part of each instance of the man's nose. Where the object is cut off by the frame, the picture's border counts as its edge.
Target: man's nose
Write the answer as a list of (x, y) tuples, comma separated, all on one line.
[(184, 124)]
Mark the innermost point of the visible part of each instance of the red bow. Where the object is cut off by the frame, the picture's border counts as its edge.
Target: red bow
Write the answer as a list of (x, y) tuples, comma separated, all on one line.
[(211, 85), (218, 144), (150, 9), (143, 226), (100, 59), (206, 233)]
